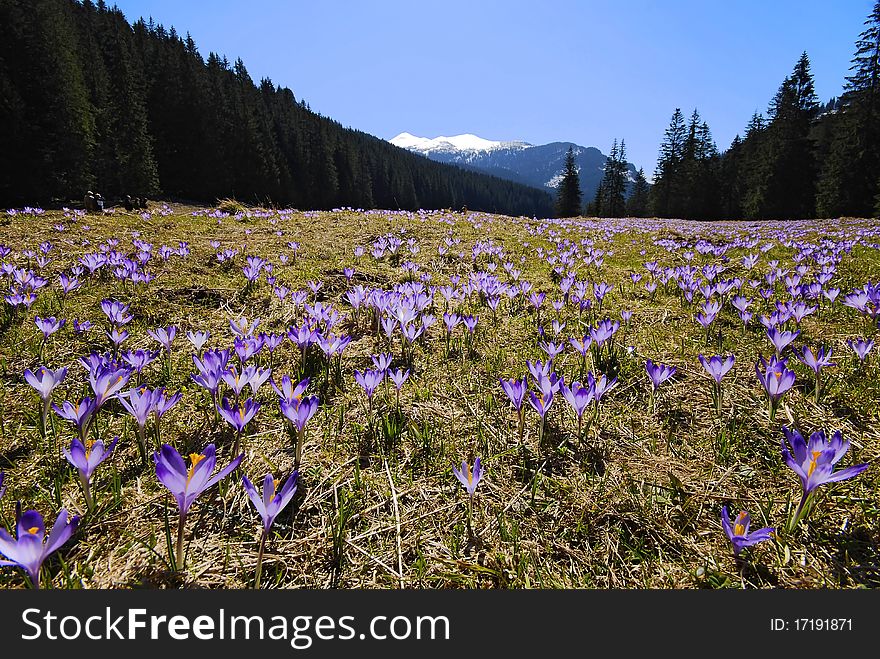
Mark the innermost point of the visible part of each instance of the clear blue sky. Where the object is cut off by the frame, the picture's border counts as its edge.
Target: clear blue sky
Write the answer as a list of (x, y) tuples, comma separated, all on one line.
[(556, 70)]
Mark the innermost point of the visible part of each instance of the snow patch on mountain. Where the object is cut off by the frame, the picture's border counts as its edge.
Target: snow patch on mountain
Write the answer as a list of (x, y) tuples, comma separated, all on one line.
[(465, 142)]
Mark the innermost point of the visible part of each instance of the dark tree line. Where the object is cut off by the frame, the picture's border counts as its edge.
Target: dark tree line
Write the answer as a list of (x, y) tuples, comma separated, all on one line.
[(804, 159), (88, 100)]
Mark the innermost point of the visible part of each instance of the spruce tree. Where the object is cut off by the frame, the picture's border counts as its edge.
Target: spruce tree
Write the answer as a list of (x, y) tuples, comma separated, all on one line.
[(568, 200), (666, 192), (614, 181), (637, 204), (848, 183)]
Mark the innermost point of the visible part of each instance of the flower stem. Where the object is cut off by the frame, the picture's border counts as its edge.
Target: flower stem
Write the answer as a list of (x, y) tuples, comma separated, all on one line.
[(259, 569), (179, 559)]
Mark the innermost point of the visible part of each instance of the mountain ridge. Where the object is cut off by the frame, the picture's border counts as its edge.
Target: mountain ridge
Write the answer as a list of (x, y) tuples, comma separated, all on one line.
[(540, 166)]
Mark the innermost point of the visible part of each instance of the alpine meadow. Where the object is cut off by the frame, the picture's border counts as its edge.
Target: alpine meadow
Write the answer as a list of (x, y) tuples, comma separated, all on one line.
[(245, 347)]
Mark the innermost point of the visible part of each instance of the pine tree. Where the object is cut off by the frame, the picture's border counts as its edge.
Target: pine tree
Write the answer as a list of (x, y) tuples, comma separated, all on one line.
[(637, 204), (568, 200), (848, 183), (666, 192), (614, 181)]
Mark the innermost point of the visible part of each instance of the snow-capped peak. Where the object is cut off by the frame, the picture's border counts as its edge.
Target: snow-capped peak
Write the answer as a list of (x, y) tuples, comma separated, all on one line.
[(466, 142)]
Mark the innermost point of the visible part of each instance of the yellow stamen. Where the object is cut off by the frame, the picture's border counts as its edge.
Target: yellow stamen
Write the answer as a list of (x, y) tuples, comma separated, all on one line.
[(33, 530), (90, 443), (274, 487), (195, 459), (470, 475), (812, 468), (739, 528)]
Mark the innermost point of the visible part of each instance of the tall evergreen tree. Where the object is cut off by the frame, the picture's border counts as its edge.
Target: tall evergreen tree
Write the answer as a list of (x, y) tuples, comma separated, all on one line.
[(666, 192), (848, 182), (614, 181), (569, 196), (637, 204)]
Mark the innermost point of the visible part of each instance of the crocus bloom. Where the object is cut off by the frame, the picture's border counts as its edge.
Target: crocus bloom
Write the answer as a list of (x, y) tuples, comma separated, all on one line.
[(44, 380), (49, 326), (288, 391), (738, 532), (80, 414), (818, 361), (468, 477), (516, 390), (239, 416), (270, 502), (186, 484), (299, 411), (813, 461), (543, 399), (86, 457), (659, 373), (107, 382), (716, 366), (382, 362), (781, 339), (139, 359), (398, 377), (163, 403), (861, 347), (369, 380), (164, 335), (776, 379), (30, 549), (198, 339), (579, 397), (139, 403), (2, 488)]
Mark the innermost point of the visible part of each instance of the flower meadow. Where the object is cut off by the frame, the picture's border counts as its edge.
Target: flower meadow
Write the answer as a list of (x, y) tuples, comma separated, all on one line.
[(384, 399)]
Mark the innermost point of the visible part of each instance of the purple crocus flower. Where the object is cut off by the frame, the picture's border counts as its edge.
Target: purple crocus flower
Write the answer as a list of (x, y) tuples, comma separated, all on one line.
[(781, 339), (543, 398), (107, 382), (139, 359), (861, 347), (80, 414), (369, 380), (288, 392), (198, 339), (579, 397), (738, 532), (2, 487), (187, 484), (81, 327), (299, 411), (117, 337), (162, 402), (270, 502), (49, 326), (716, 366), (86, 457), (816, 362), (238, 416), (776, 380), (468, 477), (813, 461), (382, 362), (398, 377), (659, 373), (45, 380), (30, 548)]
